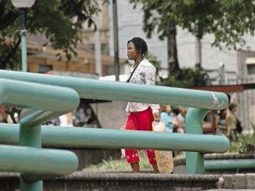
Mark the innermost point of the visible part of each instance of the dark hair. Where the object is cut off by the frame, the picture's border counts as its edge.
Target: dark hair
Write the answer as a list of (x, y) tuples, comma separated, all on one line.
[(176, 111), (229, 98), (140, 45), (231, 106)]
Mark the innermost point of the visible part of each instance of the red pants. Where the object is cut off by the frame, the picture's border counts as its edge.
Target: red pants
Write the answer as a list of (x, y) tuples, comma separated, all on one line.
[(139, 121)]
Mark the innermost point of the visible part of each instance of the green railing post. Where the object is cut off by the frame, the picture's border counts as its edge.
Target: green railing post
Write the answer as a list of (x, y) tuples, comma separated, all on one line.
[(30, 136), (31, 186), (193, 125)]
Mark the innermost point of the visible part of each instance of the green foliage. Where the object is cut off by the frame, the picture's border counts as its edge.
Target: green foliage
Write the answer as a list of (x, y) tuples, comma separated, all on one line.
[(245, 143), (186, 78), (153, 59), (227, 20), (60, 21)]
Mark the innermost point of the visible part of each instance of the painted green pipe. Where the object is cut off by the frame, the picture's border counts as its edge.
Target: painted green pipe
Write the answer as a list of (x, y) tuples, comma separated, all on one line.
[(229, 164), (37, 117), (193, 125), (30, 136), (38, 96), (119, 91), (37, 161), (77, 137), (30, 186), (9, 133)]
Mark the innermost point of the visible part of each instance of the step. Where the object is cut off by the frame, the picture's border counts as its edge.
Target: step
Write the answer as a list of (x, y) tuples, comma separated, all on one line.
[(121, 181)]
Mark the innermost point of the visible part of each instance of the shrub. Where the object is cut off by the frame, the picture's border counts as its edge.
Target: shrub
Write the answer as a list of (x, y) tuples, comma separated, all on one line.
[(245, 143), (186, 78)]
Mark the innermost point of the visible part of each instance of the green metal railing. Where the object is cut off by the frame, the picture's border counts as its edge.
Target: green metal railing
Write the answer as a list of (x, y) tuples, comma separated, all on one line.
[(42, 103), (46, 96)]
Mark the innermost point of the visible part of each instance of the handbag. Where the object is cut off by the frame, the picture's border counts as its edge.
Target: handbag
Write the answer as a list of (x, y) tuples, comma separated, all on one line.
[(159, 126)]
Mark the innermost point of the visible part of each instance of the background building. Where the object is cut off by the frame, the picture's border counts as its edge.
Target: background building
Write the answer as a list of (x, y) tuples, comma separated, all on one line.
[(224, 66)]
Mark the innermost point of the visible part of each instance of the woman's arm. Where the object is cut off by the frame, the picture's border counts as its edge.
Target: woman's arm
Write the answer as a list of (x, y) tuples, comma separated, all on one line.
[(150, 79), (228, 125)]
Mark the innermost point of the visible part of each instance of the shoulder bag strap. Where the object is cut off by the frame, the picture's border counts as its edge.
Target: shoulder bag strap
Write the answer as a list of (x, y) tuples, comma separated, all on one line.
[(128, 80)]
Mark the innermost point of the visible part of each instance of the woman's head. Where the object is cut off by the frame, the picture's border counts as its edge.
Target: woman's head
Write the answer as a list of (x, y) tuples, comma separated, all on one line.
[(136, 48), (232, 107), (165, 108)]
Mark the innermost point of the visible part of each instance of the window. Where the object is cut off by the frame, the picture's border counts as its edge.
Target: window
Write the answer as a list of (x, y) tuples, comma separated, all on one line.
[(251, 69)]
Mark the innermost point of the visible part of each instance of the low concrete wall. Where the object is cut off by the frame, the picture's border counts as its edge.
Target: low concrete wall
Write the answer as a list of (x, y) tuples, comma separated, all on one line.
[(95, 156), (238, 181), (92, 181), (120, 182)]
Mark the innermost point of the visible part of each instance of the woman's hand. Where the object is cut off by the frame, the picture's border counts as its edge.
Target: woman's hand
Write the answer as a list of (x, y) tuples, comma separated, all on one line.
[(156, 116)]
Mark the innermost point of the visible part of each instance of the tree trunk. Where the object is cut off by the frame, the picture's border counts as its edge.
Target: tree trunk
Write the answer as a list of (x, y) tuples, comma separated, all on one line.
[(173, 63)]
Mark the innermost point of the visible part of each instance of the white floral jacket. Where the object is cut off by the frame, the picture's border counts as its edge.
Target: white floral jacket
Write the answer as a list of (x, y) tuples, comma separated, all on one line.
[(145, 73)]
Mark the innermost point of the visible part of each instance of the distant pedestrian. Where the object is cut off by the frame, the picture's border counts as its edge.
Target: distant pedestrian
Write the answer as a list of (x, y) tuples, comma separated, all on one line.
[(231, 122), (165, 115), (3, 115)]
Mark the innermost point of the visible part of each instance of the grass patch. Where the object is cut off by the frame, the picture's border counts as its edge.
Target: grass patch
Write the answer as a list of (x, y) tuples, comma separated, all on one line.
[(122, 165), (119, 165)]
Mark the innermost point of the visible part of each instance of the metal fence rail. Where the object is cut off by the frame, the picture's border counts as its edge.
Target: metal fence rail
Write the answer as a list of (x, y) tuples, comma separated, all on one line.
[(118, 91), (76, 137)]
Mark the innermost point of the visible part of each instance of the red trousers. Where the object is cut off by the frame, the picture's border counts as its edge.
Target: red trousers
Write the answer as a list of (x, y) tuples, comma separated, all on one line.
[(139, 121)]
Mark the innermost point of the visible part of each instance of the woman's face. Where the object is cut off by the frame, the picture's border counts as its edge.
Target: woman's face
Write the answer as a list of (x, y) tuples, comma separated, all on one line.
[(168, 108), (132, 53), (234, 110)]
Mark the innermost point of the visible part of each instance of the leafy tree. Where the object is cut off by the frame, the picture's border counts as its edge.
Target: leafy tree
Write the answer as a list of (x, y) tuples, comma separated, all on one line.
[(60, 22), (154, 17), (227, 20), (154, 60)]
